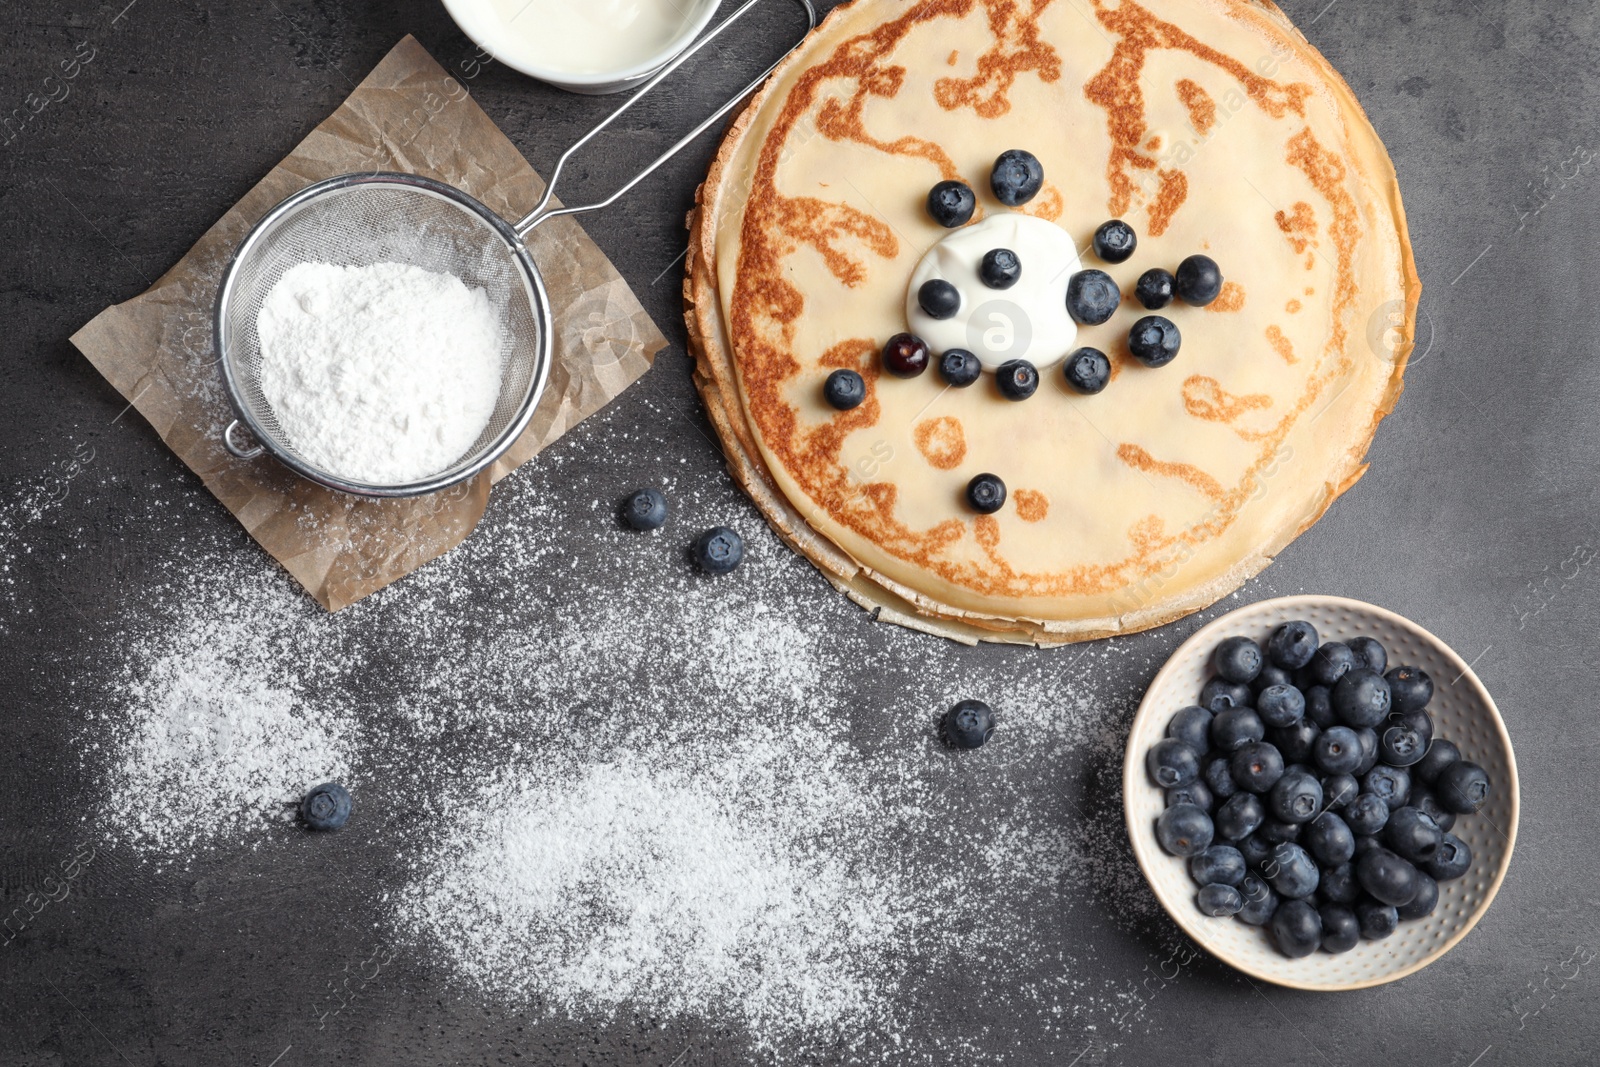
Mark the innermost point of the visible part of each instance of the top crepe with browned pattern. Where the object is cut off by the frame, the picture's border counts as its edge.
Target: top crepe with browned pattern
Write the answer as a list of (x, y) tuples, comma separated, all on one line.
[(1210, 126)]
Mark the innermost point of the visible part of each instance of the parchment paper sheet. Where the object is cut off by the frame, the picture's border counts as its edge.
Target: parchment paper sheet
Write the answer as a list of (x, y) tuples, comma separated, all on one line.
[(408, 115)]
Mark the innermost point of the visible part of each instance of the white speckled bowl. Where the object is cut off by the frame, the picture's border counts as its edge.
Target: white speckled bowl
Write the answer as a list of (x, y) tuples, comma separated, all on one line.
[(1463, 712)]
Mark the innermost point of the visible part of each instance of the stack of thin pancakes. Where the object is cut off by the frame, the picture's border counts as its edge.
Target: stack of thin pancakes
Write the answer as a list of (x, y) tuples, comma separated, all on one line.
[(1210, 126)]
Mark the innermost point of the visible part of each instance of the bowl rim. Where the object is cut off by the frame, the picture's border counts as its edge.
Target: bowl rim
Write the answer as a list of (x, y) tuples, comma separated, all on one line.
[(1146, 851), (470, 17)]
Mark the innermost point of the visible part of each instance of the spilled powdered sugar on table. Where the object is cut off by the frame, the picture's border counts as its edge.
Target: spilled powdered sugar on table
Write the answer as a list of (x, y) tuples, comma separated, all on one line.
[(643, 790)]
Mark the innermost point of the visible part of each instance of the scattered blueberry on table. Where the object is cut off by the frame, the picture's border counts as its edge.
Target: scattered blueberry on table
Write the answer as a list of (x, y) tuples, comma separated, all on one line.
[(968, 724), (644, 509), (718, 551), (1308, 793), (326, 807)]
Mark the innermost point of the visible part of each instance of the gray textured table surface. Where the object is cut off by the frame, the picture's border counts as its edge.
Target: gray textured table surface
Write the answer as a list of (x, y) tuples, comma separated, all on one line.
[(1477, 519)]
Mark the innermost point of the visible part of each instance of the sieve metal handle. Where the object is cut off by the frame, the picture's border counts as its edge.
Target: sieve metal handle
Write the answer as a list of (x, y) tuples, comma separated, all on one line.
[(542, 214), (239, 451)]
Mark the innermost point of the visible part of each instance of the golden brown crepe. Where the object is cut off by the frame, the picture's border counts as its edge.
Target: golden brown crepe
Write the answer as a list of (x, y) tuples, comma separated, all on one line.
[(1212, 127)]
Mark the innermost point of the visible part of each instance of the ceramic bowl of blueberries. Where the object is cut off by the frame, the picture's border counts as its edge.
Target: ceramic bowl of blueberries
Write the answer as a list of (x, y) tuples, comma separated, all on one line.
[(1321, 793)]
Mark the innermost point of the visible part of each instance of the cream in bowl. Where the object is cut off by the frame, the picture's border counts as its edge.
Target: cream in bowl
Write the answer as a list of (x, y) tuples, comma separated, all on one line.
[(596, 46)]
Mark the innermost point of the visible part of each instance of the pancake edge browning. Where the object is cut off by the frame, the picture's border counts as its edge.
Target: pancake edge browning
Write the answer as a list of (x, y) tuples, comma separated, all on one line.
[(716, 380)]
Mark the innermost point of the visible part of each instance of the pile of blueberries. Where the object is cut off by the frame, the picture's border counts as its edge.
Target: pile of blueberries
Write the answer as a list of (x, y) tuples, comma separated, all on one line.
[(1309, 794), (1092, 297)]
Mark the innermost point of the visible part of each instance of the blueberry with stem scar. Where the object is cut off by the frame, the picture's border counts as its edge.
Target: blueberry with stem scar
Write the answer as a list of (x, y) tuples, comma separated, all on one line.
[(1184, 830), (1115, 241), (644, 509), (960, 368), (1172, 763), (1238, 659), (1292, 645), (326, 807), (1360, 697), (718, 551), (1154, 288), (1092, 297), (844, 389), (986, 493), (1370, 653), (1000, 269), (1219, 693), (1016, 178), (968, 724), (1412, 688), (1462, 787), (951, 204), (1195, 793), (1154, 341), (1450, 860), (905, 356), (1017, 378), (1332, 661), (1087, 370)]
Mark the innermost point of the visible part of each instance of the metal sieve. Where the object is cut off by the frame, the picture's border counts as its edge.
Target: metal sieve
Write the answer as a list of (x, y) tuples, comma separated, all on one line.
[(363, 219)]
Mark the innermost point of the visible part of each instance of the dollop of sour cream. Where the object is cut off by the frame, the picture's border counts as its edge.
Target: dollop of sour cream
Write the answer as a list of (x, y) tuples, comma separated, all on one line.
[(1027, 321), (593, 36)]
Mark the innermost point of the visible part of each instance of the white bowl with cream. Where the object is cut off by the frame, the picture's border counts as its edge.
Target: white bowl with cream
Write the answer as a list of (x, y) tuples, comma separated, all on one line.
[(584, 46)]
